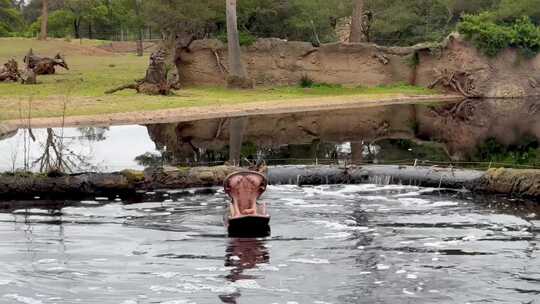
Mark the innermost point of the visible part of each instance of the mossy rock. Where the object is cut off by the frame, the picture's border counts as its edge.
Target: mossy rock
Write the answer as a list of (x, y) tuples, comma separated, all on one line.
[(133, 176)]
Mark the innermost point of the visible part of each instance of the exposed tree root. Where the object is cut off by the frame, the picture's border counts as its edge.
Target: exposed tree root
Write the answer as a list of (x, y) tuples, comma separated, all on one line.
[(156, 81), (10, 71), (222, 68), (458, 81)]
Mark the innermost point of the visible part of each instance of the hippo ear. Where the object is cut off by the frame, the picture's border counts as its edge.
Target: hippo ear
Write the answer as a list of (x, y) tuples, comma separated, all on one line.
[(58, 56)]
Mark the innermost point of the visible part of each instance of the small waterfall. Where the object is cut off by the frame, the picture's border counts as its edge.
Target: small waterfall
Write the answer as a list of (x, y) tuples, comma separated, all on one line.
[(382, 180)]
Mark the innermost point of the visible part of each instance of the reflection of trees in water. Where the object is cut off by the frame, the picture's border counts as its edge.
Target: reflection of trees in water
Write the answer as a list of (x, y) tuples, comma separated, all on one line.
[(243, 254), (93, 133), (56, 155)]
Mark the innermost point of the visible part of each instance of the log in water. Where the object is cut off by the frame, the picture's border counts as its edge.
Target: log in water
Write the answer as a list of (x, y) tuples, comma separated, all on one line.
[(125, 183)]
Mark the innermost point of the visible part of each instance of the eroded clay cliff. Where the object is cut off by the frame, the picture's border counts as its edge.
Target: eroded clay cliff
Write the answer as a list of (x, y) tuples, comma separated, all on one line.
[(454, 65)]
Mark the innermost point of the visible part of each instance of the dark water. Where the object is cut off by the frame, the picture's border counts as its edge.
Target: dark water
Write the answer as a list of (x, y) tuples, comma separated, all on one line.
[(329, 244)]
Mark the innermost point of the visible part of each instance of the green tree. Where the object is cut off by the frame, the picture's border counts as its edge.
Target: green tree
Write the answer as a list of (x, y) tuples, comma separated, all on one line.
[(10, 18)]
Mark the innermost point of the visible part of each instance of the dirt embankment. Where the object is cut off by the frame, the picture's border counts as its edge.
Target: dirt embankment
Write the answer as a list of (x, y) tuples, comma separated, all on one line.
[(455, 63)]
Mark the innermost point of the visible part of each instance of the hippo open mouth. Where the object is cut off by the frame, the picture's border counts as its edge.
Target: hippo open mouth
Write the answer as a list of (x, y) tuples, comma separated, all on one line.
[(246, 217)]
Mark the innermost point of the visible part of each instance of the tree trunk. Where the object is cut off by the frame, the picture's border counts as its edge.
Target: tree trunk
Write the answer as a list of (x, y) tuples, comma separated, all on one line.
[(357, 33), (77, 28), (44, 20), (90, 36), (238, 76), (140, 49)]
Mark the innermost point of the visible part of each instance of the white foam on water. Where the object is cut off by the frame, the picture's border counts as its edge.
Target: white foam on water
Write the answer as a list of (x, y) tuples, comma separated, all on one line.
[(405, 291), (445, 204), (160, 213), (21, 299), (166, 275), (335, 235), (206, 269), (46, 261), (5, 282), (315, 206), (247, 284), (194, 287), (325, 190), (382, 267), (129, 302), (377, 198), (408, 194), (294, 201), (158, 288), (413, 201), (338, 226), (90, 203), (401, 271), (266, 267), (179, 302), (310, 261), (374, 187), (412, 276)]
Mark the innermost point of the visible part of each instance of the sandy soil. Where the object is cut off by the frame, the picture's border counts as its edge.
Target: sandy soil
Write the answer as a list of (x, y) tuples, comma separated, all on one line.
[(199, 113)]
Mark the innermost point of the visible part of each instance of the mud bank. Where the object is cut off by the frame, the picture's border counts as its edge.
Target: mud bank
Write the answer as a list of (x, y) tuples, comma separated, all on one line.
[(128, 183), (281, 62)]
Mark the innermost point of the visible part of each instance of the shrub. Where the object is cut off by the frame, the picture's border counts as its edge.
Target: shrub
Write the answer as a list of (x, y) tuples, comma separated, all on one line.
[(245, 38), (491, 37), (60, 24), (306, 82)]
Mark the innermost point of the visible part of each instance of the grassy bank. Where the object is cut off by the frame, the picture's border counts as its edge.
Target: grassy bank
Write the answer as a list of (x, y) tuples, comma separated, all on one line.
[(93, 70)]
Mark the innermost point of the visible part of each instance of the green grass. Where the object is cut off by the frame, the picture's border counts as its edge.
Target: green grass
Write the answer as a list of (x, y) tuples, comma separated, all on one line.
[(93, 71)]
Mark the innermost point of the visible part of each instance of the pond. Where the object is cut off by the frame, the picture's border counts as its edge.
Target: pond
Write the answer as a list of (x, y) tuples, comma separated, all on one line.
[(482, 131), (329, 244)]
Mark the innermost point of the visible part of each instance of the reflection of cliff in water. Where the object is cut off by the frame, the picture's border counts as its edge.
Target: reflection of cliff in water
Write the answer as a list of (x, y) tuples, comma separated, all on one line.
[(435, 132)]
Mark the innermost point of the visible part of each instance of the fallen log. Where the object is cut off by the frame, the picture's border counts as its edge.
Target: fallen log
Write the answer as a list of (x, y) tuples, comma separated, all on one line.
[(44, 65), (128, 183), (510, 181), (10, 71), (59, 186), (30, 186)]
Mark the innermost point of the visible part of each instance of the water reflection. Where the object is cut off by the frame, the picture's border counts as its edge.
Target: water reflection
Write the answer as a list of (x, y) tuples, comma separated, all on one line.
[(474, 130), (243, 254)]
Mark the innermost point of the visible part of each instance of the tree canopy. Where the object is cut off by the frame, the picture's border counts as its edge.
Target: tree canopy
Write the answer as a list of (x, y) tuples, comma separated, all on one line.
[(391, 22)]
